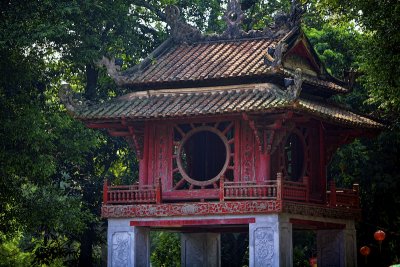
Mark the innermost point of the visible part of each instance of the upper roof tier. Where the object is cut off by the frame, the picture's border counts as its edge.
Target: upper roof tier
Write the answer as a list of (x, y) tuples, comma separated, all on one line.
[(191, 59)]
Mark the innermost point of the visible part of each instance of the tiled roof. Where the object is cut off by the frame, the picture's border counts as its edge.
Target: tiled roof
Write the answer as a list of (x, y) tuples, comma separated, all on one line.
[(252, 98), (214, 60)]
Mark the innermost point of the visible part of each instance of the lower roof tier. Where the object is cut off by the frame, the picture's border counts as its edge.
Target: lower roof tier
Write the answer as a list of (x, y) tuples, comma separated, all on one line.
[(222, 100)]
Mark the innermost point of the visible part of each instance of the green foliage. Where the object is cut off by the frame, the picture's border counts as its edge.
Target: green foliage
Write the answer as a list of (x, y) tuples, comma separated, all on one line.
[(166, 249), (11, 254)]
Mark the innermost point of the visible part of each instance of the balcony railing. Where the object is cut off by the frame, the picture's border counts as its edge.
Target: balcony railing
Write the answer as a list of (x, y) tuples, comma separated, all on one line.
[(234, 191)]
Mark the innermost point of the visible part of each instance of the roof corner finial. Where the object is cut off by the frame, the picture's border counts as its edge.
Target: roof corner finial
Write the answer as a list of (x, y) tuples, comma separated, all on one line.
[(233, 17), (180, 30), (70, 99)]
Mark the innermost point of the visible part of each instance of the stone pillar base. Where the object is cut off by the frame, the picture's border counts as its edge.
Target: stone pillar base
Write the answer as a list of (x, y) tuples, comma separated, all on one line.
[(201, 250), (270, 242), (128, 246)]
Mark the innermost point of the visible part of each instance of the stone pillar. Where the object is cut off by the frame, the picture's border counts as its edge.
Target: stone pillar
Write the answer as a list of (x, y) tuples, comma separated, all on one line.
[(331, 248), (201, 249), (270, 242), (350, 240), (128, 246)]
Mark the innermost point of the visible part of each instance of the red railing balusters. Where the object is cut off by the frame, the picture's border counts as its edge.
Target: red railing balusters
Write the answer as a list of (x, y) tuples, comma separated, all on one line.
[(158, 191), (279, 193), (221, 188)]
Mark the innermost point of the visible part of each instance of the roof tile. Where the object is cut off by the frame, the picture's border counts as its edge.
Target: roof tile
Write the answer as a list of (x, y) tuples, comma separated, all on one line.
[(217, 100)]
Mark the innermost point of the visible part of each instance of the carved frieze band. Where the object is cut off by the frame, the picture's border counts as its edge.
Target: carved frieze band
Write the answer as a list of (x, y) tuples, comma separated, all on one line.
[(184, 209), (320, 211)]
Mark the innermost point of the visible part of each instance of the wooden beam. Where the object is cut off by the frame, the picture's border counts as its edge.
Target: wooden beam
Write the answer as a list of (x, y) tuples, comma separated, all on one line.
[(178, 223)]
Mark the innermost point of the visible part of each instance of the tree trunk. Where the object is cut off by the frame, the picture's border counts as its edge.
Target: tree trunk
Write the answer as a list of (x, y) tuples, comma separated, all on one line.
[(91, 81), (86, 249)]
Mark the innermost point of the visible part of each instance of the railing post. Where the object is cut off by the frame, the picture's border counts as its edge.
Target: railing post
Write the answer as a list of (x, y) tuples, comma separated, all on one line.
[(105, 192), (158, 191), (221, 188), (306, 182), (332, 198), (279, 188), (356, 190)]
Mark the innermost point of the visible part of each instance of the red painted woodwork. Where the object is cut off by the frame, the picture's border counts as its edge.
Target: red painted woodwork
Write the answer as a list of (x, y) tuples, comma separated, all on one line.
[(343, 197), (192, 209), (250, 190), (256, 182), (144, 162), (194, 194), (297, 191), (247, 154), (122, 194), (177, 223), (316, 224)]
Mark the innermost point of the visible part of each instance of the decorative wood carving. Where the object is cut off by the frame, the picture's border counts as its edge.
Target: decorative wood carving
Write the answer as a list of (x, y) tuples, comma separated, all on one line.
[(195, 209), (134, 137), (269, 133), (225, 131), (321, 211), (247, 154)]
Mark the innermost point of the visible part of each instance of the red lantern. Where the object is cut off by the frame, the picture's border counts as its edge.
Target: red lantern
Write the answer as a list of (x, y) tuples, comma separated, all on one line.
[(365, 251), (379, 235)]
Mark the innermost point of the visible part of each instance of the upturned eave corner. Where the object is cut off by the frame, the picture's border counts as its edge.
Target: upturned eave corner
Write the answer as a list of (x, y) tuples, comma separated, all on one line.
[(73, 102)]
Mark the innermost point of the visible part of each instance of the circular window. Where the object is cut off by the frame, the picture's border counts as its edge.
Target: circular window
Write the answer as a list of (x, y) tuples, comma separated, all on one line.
[(203, 156), (294, 157)]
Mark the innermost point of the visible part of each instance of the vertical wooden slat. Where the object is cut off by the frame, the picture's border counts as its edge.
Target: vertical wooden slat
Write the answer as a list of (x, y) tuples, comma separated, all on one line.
[(279, 193), (158, 191), (221, 188)]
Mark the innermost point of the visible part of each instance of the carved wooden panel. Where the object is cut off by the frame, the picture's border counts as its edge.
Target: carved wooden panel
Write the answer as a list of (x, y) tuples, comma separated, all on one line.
[(160, 155), (247, 153)]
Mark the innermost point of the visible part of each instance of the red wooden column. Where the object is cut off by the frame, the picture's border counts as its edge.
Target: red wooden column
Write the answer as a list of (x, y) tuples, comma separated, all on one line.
[(143, 163), (322, 161)]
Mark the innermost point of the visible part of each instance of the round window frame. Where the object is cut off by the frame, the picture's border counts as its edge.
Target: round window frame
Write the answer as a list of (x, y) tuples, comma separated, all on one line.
[(182, 144), (303, 143)]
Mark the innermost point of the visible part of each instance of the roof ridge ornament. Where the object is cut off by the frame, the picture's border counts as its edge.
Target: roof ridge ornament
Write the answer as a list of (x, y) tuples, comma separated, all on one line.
[(180, 30), (293, 85), (233, 17), (273, 57), (296, 12)]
